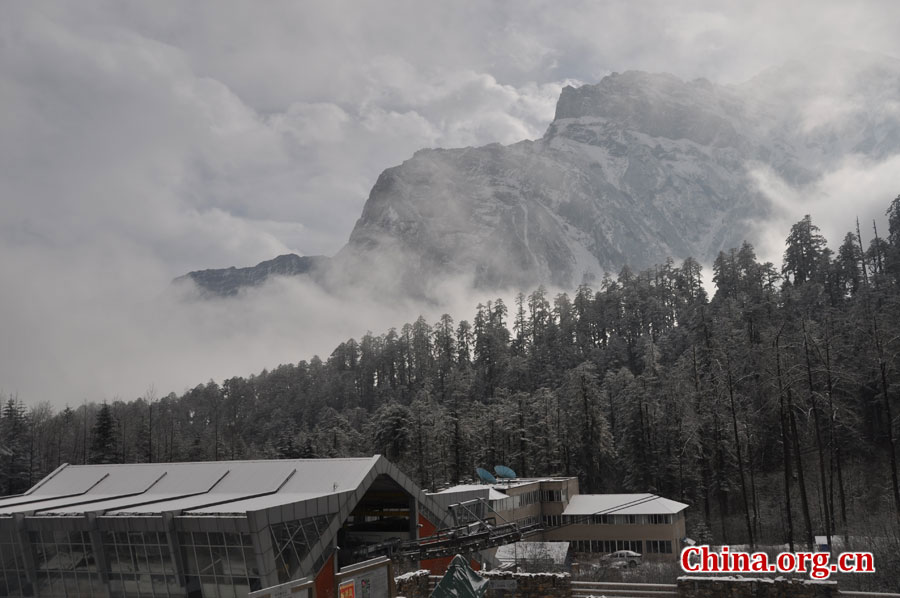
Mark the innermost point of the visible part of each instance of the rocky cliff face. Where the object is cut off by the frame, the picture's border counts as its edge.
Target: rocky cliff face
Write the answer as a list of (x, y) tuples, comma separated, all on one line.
[(633, 170), (228, 281)]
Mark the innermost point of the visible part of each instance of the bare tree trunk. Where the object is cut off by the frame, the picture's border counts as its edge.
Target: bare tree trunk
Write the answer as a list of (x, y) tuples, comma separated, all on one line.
[(801, 479), (820, 449), (737, 444), (889, 425), (785, 445)]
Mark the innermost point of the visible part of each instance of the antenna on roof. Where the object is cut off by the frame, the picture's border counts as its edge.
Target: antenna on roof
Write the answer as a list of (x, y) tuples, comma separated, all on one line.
[(485, 476), (504, 472)]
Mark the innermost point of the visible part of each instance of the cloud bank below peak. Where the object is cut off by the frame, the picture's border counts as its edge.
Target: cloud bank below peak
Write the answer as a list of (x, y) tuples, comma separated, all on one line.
[(142, 141)]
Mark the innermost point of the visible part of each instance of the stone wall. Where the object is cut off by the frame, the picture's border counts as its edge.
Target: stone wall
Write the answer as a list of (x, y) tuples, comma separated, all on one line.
[(745, 587), (506, 584), (413, 584)]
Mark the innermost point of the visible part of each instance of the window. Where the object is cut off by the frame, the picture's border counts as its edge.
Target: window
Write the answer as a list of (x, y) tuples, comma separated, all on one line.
[(660, 519), (139, 562), (65, 563), (605, 546), (552, 520), (659, 546), (292, 541), (12, 566), (528, 498), (223, 563), (551, 496)]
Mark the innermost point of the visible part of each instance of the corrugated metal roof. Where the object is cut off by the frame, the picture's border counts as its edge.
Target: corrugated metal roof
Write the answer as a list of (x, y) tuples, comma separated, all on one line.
[(622, 504), (209, 487)]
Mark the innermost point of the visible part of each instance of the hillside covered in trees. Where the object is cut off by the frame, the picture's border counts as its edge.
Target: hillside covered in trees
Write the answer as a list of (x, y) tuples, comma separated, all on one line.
[(783, 379)]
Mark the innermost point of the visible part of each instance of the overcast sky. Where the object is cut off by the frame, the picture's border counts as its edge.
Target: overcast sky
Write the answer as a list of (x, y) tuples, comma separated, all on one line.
[(141, 140)]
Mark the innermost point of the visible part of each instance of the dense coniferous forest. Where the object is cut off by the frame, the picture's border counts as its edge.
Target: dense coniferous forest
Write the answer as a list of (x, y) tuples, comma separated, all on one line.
[(784, 379)]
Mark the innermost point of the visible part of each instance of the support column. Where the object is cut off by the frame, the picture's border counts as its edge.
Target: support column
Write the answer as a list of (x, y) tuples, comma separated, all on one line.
[(413, 518), (262, 547), (177, 562), (96, 537)]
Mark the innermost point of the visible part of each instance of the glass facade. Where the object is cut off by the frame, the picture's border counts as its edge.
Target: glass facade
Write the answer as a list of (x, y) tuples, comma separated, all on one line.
[(221, 564), (64, 564), (292, 541), (13, 580), (194, 530), (140, 564)]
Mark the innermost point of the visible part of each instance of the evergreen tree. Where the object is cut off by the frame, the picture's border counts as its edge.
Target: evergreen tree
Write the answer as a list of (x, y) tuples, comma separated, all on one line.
[(805, 253), (14, 467), (104, 447)]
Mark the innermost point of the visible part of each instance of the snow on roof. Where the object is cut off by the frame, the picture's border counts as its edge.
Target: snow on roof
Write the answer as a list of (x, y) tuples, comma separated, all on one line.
[(622, 504), (209, 487), (533, 551), (493, 494)]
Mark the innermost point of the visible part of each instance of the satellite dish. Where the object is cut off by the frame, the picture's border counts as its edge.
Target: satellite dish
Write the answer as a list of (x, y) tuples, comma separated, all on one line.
[(504, 472), (485, 476)]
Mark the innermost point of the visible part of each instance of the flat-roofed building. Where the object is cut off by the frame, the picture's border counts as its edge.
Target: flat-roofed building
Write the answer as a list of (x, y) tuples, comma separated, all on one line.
[(203, 529), (592, 523)]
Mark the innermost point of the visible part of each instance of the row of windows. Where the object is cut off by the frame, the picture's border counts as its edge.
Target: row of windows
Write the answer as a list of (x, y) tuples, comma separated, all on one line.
[(528, 521), (137, 564), (612, 519), (605, 546), (529, 498), (608, 546), (554, 495), (515, 501), (658, 546)]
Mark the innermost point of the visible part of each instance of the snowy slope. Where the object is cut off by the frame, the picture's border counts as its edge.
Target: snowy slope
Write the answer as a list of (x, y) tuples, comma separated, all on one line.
[(633, 170)]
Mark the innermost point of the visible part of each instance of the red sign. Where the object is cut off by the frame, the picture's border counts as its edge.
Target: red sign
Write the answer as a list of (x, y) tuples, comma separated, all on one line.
[(347, 589)]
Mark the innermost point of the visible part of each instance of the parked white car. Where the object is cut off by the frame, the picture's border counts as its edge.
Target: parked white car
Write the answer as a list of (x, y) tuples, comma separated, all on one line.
[(623, 558)]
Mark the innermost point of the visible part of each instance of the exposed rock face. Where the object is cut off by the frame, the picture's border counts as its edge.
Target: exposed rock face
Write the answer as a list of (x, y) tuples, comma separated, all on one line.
[(228, 281), (633, 170)]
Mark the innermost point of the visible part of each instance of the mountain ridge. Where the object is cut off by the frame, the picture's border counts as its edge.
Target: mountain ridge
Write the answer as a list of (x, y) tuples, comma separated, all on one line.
[(634, 169)]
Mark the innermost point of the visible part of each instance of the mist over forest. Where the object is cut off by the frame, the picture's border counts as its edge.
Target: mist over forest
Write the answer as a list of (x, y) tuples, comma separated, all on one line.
[(769, 406), (654, 245)]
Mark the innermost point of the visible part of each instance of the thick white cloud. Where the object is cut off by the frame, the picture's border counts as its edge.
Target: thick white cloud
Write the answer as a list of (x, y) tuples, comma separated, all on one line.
[(142, 140), (857, 189)]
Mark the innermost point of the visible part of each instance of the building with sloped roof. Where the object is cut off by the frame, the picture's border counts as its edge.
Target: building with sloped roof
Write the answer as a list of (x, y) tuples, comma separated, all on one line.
[(203, 529), (552, 509), (603, 523)]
